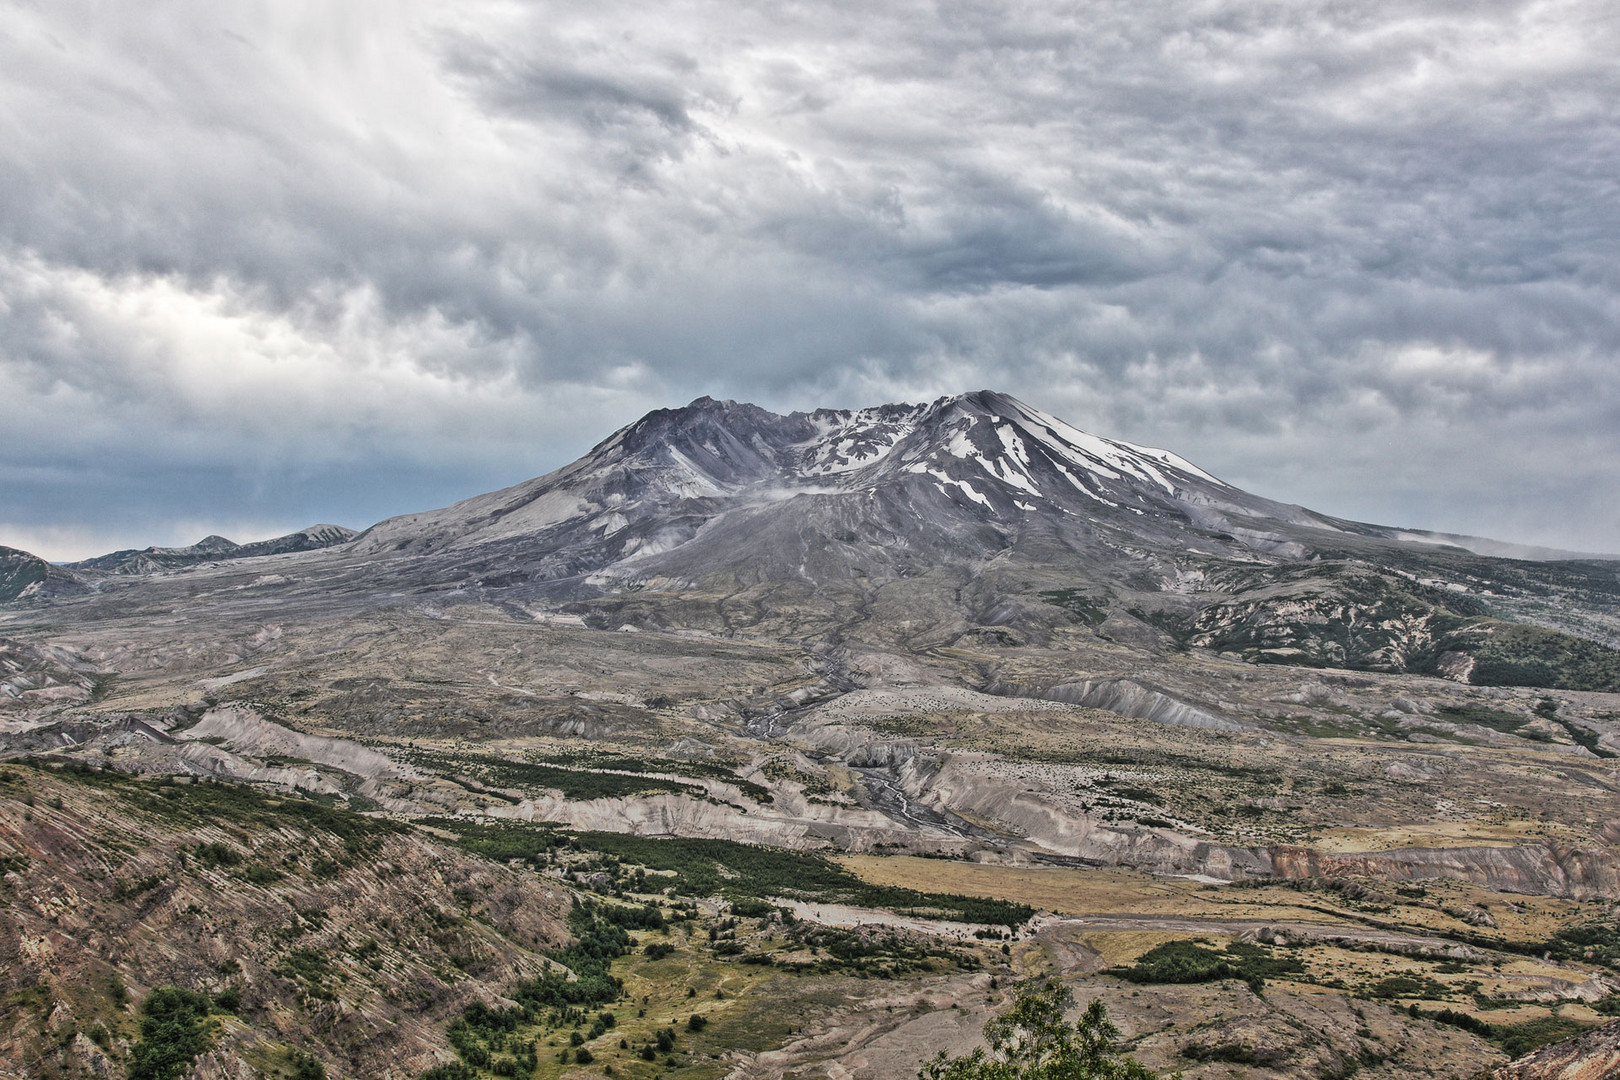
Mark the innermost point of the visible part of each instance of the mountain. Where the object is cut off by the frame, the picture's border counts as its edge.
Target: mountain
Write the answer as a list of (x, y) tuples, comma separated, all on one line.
[(1022, 523), (719, 491), (212, 549)]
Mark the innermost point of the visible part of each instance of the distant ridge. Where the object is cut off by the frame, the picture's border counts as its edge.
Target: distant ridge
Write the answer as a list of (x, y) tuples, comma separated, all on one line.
[(24, 575), (212, 549), (1499, 549)]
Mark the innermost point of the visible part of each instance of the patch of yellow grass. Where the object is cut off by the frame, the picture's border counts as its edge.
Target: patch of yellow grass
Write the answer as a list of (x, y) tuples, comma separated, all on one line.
[(1438, 834)]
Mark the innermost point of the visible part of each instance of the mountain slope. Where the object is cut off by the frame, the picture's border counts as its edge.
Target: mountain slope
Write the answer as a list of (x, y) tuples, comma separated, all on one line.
[(349, 937), (986, 512), (971, 519), (954, 478), (24, 576)]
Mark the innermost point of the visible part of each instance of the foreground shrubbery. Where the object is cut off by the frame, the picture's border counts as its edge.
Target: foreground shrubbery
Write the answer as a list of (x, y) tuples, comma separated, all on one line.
[(1035, 1041)]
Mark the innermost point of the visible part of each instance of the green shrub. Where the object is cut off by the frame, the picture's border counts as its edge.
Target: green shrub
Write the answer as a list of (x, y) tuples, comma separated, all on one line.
[(455, 1070), (174, 1030), (306, 1066), (1520, 1039), (1197, 961), (217, 854), (1407, 986)]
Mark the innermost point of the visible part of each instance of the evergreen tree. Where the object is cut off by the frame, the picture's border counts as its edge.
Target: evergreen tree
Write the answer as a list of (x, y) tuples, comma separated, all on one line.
[(1036, 1042)]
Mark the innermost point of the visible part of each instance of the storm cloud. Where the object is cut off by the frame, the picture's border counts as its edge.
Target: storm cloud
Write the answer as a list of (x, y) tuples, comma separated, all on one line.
[(263, 264)]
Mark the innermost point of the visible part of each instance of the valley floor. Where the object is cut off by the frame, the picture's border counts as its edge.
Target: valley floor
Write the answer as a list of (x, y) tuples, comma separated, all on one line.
[(349, 828)]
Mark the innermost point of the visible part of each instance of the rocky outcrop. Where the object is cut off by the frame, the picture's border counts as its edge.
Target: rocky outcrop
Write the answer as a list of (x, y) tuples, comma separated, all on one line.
[(1009, 806), (1124, 697), (227, 744), (246, 732), (972, 789), (796, 824), (40, 676), (1363, 940)]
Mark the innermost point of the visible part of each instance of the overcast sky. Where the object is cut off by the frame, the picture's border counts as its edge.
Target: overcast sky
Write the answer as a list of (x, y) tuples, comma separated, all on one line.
[(268, 264)]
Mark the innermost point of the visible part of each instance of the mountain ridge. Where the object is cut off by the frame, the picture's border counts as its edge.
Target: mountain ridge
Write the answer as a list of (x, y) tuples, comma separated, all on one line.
[(210, 548), (1001, 506)]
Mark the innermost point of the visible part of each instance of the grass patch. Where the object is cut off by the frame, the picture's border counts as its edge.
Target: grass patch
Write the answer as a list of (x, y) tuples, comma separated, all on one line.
[(501, 841), (745, 874), (1453, 1018), (878, 954), (1516, 654), (1081, 608), (311, 970), (1594, 942), (214, 803), (601, 936), (622, 762), (1495, 719), (1407, 986)]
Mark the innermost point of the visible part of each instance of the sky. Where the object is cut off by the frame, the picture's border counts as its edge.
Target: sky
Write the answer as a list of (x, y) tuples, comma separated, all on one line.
[(269, 264)]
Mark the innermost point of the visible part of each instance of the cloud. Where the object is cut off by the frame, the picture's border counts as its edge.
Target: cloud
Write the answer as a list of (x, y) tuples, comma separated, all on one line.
[(267, 263)]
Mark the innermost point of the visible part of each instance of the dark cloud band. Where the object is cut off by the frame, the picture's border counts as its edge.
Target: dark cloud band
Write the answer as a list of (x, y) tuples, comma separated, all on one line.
[(1307, 245)]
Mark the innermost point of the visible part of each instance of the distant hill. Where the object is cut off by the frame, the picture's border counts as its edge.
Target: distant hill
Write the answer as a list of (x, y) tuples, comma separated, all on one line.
[(212, 549), (24, 575)]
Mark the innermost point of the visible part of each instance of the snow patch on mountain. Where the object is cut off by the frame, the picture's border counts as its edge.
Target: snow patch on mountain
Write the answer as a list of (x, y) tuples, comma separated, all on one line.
[(670, 478)]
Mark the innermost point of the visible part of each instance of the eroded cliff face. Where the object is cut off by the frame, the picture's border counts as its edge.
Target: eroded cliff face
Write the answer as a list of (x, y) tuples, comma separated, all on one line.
[(1053, 822), (349, 937), (1576, 873), (1124, 697), (36, 678), (787, 822)]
